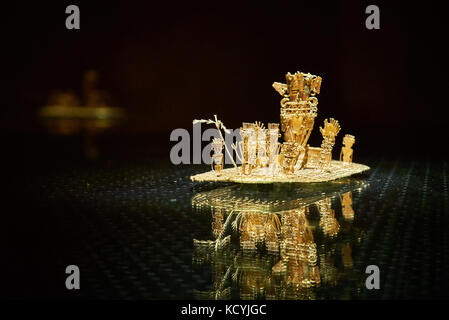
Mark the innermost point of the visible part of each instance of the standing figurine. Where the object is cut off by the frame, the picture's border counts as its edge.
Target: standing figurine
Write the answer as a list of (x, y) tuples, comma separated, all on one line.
[(346, 150), (261, 136), (252, 147), (242, 146), (217, 157), (273, 145), (330, 130), (288, 157)]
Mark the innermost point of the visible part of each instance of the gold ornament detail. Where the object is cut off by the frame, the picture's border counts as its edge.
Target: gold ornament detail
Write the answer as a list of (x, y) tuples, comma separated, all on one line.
[(264, 159)]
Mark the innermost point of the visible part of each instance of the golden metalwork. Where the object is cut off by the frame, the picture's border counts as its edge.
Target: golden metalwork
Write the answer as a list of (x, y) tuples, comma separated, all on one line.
[(220, 126), (265, 160), (265, 241), (329, 132), (346, 150), (298, 106), (217, 157), (335, 170)]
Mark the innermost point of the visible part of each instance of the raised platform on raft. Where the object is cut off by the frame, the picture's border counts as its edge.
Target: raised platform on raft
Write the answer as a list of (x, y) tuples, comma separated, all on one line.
[(336, 170)]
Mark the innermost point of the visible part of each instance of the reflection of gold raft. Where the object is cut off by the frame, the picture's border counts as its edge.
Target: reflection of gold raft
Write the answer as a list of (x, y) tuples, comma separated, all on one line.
[(276, 220)]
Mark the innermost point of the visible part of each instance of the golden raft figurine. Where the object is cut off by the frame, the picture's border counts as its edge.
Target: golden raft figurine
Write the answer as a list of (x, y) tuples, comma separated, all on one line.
[(265, 160)]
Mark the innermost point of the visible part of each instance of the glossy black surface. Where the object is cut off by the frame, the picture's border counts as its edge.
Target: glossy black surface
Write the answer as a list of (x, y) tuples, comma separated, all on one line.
[(130, 225)]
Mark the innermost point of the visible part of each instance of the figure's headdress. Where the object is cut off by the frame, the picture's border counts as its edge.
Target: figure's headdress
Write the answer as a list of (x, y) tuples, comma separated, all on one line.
[(331, 128)]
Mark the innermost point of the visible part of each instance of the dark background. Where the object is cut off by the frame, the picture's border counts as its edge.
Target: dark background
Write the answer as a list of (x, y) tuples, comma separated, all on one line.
[(167, 63)]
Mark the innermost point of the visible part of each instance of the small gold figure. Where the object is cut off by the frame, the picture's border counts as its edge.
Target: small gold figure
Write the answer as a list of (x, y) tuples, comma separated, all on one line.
[(261, 137), (346, 150), (245, 133), (289, 155), (330, 130), (218, 156), (252, 148), (272, 143)]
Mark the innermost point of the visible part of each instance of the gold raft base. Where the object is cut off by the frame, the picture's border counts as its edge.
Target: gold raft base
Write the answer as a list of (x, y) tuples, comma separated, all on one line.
[(335, 170)]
